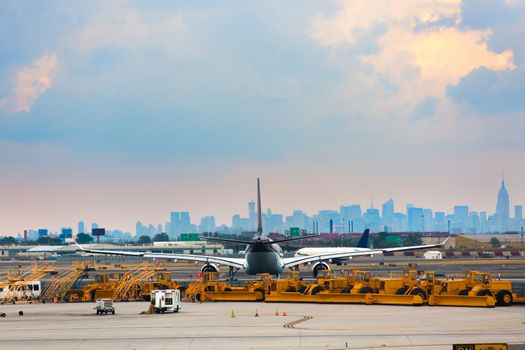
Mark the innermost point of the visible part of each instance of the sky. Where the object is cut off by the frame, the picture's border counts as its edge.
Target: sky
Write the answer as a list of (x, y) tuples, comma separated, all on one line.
[(113, 112)]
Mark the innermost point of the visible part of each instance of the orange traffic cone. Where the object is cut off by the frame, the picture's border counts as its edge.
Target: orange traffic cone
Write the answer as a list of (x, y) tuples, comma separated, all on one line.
[(276, 312), (256, 313), (284, 313)]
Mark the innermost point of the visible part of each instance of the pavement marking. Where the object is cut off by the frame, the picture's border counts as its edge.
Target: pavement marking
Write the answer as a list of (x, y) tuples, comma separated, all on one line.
[(293, 323)]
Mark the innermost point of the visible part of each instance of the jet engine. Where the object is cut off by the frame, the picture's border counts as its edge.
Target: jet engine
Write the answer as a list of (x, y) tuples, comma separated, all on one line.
[(318, 267), (210, 268)]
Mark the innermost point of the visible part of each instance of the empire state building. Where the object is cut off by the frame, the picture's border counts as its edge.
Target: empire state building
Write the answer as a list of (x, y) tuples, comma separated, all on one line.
[(502, 208)]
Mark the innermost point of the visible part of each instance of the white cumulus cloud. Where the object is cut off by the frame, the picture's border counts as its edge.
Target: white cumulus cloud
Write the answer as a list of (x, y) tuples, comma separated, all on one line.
[(29, 83), (422, 51)]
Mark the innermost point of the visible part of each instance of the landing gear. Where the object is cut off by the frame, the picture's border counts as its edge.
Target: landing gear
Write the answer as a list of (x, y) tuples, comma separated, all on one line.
[(233, 271)]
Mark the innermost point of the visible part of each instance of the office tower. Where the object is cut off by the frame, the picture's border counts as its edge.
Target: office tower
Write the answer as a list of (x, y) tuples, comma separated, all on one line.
[(388, 212), (207, 224), (81, 227), (502, 209), (415, 219), (251, 216), (174, 222), (179, 223), (460, 218), (518, 212), (66, 232), (372, 219), (428, 220), (42, 232), (474, 225)]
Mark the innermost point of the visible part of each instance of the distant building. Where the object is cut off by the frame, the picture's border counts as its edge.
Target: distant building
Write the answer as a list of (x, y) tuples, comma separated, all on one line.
[(179, 223), (65, 233), (502, 209), (518, 212), (460, 223), (415, 219), (207, 224), (81, 227), (387, 211), (43, 232), (251, 216)]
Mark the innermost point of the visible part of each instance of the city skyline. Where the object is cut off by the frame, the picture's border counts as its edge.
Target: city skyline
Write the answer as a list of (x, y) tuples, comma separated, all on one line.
[(113, 112), (385, 216)]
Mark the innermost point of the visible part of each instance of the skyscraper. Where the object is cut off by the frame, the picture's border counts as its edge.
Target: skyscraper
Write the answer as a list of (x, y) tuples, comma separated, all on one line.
[(174, 222), (518, 212), (81, 227), (388, 212), (251, 215), (502, 208)]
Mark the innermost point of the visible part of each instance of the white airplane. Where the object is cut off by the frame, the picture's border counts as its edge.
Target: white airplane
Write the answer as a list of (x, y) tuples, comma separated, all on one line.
[(263, 255), (360, 249)]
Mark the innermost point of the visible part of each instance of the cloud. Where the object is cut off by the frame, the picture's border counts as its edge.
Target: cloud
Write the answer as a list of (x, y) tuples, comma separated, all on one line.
[(29, 83), (491, 92), (422, 52)]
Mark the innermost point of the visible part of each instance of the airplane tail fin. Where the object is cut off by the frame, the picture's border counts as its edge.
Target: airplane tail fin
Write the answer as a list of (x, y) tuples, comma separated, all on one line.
[(259, 214), (363, 240)]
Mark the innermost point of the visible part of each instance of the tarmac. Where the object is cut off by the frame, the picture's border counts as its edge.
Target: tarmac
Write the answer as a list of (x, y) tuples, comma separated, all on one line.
[(211, 326)]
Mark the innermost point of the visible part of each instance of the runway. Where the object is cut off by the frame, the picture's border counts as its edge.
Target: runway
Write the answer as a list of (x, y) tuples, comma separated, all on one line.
[(211, 326)]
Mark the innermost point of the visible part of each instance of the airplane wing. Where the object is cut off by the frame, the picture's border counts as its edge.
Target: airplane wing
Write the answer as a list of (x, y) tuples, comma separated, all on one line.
[(291, 262), (233, 262), (415, 247)]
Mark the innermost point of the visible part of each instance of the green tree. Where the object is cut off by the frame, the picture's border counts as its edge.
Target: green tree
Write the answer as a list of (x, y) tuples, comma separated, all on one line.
[(412, 239), (8, 240), (46, 240), (84, 238), (495, 243), (144, 240), (161, 237)]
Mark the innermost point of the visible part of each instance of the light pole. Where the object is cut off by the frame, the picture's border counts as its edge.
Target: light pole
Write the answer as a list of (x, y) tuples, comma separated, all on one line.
[(422, 222), (448, 223), (521, 237), (352, 222)]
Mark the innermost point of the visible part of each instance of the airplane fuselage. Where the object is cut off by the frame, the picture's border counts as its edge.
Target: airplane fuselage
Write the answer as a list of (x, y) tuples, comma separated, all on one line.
[(263, 257), (321, 251)]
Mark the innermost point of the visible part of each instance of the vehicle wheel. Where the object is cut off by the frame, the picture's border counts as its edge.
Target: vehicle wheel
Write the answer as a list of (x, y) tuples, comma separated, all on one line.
[(98, 313), (316, 290), (227, 289), (401, 291), (346, 290), (484, 292), (113, 312), (464, 291), (291, 289), (198, 297), (366, 290), (420, 292), (504, 298)]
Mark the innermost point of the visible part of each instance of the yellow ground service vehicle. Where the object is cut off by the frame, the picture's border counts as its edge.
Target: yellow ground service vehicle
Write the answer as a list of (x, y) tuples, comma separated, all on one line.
[(435, 291), (210, 288), (481, 284)]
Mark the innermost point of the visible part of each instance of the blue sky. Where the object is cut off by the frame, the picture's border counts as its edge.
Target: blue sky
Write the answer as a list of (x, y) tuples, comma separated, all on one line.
[(124, 111)]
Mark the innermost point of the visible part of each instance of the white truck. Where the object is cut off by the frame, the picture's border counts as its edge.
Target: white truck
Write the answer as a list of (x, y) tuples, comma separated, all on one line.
[(104, 306), (165, 300)]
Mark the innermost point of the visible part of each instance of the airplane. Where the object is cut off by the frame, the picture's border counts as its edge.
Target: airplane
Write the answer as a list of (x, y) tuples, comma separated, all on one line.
[(262, 254), (361, 247)]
